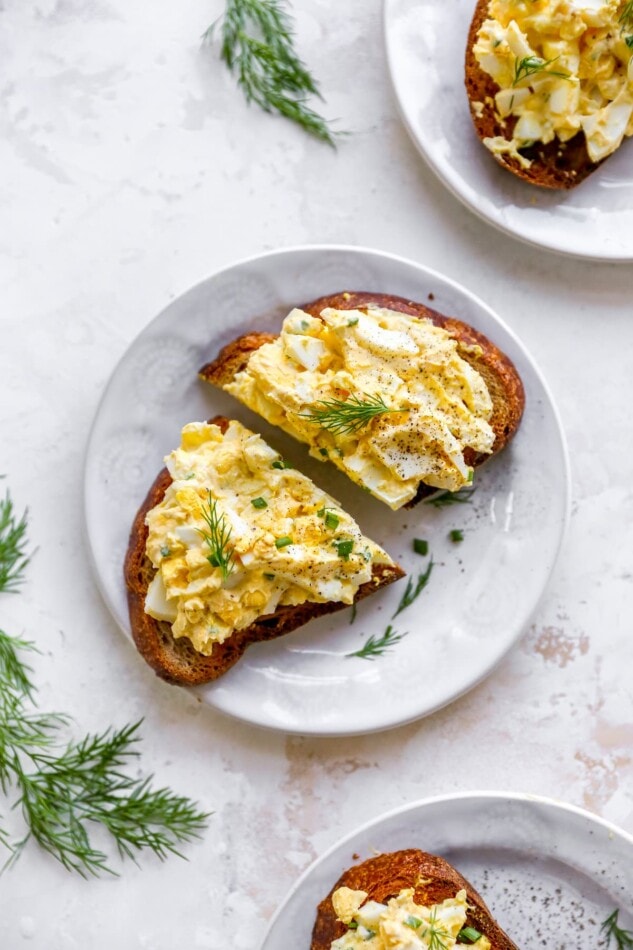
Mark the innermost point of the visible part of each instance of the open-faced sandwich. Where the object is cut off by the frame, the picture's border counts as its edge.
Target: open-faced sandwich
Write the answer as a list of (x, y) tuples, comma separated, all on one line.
[(406, 900), (232, 546), (402, 399), (550, 84)]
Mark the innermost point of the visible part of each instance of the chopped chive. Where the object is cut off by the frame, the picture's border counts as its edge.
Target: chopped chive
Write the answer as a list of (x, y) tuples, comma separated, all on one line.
[(413, 922), (353, 924), (269, 577), (324, 453), (471, 476), (344, 549), (190, 475), (352, 321), (468, 934), (456, 535), (420, 546), (165, 551), (259, 503), (280, 463), (283, 542)]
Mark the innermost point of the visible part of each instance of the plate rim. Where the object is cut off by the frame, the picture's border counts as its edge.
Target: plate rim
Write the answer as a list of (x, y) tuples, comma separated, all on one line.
[(428, 272), (492, 795), (542, 245)]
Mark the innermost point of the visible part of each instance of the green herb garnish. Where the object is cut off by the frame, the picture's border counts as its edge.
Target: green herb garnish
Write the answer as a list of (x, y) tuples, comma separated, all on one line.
[(468, 935), (353, 613), (531, 65), (413, 922), (63, 789), (610, 927), (629, 41), (13, 557), (344, 549), (280, 463), (435, 933), (268, 576), (283, 542), (412, 592), (420, 546), (376, 647), (352, 321), (347, 415), (626, 16), (456, 535), (446, 498), (217, 537), (257, 45), (165, 551), (324, 453), (331, 520), (259, 503)]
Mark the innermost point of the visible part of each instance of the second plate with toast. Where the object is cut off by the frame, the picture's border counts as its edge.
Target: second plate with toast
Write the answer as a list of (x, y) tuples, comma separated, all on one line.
[(476, 566)]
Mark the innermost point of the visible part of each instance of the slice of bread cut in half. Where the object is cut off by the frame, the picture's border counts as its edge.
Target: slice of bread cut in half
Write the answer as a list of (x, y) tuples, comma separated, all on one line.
[(556, 164), (175, 659), (432, 879), (496, 369)]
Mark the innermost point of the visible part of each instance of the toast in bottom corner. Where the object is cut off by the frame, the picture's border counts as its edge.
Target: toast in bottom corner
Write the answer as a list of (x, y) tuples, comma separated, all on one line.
[(231, 547), (405, 900)]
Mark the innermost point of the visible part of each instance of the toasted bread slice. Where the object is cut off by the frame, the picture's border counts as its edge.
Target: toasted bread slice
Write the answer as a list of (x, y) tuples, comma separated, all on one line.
[(499, 373), (433, 880), (175, 659), (556, 165)]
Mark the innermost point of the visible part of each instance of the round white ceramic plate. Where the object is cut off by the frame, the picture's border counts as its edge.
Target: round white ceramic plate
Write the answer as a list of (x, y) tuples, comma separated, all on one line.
[(426, 42), (481, 592), (550, 873)]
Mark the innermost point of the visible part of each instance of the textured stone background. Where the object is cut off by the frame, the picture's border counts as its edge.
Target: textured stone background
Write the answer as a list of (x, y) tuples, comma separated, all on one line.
[(131, 169)]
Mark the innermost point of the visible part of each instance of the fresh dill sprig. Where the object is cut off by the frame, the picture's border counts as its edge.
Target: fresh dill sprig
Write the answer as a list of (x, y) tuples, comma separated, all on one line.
[(412, 592), (610, 927), (347, 415), (626, 16), (527, 66), (257, 45), (377, 646), (446, 498), (217, 537), (13, 557), (64, 790), (62, 793), (436, 935), (84, 784)]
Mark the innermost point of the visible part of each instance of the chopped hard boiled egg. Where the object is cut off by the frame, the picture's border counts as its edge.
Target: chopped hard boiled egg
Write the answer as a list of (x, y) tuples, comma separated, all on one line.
[(562, 66), (387, 397), (238, 534), (401, 923)]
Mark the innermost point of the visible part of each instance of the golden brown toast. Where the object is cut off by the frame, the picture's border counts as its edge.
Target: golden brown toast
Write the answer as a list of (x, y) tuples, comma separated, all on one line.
[(176, 660), (433, 879), (499, 373), (558, 165)]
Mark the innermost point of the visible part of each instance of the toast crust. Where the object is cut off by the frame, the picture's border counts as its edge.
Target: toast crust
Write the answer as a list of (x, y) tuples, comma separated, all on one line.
[(501, 377), (433, 880), (556, 165), (176, 660)]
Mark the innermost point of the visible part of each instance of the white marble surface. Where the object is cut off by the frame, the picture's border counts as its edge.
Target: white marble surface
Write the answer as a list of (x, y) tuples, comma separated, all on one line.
[(132, 169)]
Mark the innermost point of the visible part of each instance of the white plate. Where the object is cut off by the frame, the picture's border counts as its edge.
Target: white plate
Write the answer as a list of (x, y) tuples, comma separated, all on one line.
[(481, 592), (426, 43), (550, 873)]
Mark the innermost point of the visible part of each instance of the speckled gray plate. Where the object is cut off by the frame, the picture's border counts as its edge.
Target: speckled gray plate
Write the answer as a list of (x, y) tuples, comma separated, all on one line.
[(550, 873), (481, 593)]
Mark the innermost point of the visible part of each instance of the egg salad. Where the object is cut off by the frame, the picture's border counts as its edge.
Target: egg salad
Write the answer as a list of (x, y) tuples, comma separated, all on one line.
[(387, 397), (401, 924), (562, 67), (239, 534)]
